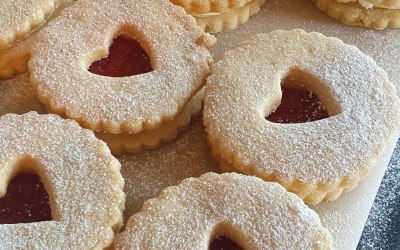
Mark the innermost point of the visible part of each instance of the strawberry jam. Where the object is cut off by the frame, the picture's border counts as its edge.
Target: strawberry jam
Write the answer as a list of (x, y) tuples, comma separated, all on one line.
[(298, 106), (223, 242), (126, 58), (26, 201)]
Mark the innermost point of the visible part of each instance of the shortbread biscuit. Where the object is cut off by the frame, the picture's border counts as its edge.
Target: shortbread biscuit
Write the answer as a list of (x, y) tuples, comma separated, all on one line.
[(153, 138), (177, 47), (385, 4), (18, 96), (80, 175), (253, 213), (209, 6), (316, 160), (14, 60), (217, 22), (147, 174), (356, 15), (19, 18)]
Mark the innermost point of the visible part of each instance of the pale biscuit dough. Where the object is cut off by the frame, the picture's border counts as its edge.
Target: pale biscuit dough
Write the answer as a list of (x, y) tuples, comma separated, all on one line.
[(217, 22), (146, 174), (253, 213), (316, 160), (79, 173), (385, 4), (14, 60), (153, 138), (19, 18), (356, 15), (18, 96), (209, 6), (177, 47)]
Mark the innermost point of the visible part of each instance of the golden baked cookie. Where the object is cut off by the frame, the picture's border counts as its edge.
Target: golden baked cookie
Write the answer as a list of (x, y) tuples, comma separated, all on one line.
[(217, 22), (385, 4), (152, 138), (14, 58), (209, 6), (80, 175), (18, 96), (19, 18), (316, 160), (177, 47), (146, 174), (253, 213), (219, 15), (353, 13)]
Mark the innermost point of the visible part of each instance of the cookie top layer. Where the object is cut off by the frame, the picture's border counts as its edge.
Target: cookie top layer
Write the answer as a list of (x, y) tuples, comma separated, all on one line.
[(386, 4), (19, 18), (253, 213), (79, 173), (245, 88), (177, 47), (209, 6)]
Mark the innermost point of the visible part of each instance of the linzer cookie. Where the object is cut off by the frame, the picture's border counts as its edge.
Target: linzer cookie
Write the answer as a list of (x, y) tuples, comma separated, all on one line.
[(177, 48), (15, 53), (385, 4), (320, 158), (18, 96), (80, 175), (361, 13), (216, 16), (252, 213), (152, 138)]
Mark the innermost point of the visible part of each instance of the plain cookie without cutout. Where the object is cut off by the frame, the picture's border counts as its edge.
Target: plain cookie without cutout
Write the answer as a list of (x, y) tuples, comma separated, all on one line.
[(253, 213), (177, 47), (356, 15), (79, 173), (194, 7), (316, 160)]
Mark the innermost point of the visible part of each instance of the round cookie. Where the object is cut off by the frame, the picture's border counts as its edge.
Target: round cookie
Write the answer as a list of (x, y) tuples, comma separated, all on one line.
[(80, 176), (17, 96), (177, 47), (14, 59), (253, 213), (385, 4), (153, 138), (217, 22), (19, 18), (354, 14), (316, 160), (209, 6)]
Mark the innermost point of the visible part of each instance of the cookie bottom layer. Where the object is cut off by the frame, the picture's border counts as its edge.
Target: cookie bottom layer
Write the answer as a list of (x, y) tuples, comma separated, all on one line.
[(356, 15), (153, 138), (218, 22)]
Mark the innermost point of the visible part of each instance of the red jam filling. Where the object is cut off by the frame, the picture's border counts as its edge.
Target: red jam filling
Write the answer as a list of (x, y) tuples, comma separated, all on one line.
[(298, 106), (26, 201), (223, 243), (126, 58)]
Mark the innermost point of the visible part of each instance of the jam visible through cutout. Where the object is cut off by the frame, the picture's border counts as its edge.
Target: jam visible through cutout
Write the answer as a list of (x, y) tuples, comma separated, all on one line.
[(223, 243), (298, 106), (126, 58), (26, 201)]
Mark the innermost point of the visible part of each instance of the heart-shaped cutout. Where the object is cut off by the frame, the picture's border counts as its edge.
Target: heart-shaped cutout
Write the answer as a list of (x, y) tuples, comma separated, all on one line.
[(126, 58), (298, 105), (222, 242), (26, 201)]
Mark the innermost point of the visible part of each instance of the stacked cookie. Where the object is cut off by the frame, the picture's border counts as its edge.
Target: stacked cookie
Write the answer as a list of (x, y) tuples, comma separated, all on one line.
[(377, 14), (316, 159), (215, 16)]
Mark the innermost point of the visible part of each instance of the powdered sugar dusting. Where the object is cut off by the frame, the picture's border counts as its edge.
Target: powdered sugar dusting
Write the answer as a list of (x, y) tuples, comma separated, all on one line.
[(79, 174), (178, 50)]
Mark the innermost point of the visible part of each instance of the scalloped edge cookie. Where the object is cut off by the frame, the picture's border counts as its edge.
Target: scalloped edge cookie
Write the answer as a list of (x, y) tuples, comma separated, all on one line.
[(194, 7)]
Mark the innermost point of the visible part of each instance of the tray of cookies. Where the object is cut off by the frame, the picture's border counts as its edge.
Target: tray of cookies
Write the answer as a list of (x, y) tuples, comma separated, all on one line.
[(230, 124)]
